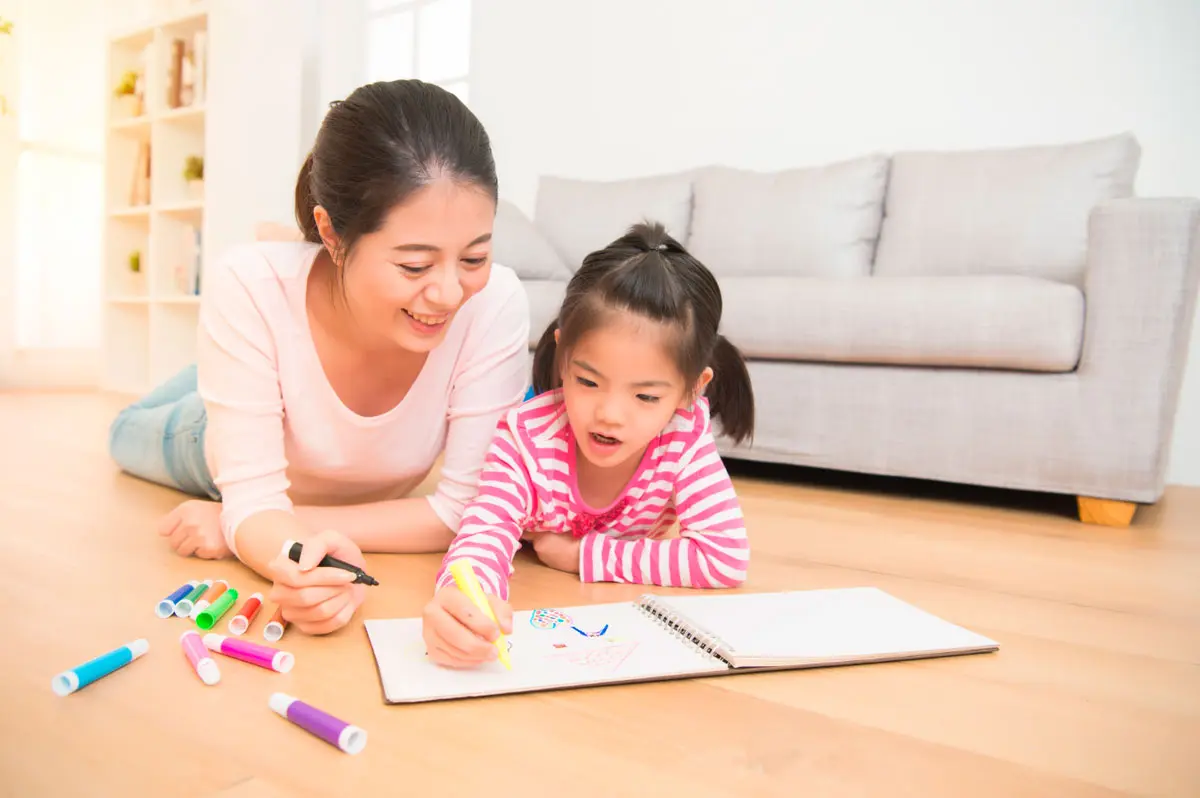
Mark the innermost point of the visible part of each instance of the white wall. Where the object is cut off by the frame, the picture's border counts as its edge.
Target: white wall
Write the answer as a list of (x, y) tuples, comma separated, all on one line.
[(256, 130), (632, 87)]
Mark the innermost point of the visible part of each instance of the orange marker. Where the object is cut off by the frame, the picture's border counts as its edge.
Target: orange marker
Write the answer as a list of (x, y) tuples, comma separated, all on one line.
[(210, 595), (274, 628)]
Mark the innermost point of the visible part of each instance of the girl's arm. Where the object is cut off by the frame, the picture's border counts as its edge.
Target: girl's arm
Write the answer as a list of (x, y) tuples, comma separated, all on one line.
[(491, 525), (712, 550)]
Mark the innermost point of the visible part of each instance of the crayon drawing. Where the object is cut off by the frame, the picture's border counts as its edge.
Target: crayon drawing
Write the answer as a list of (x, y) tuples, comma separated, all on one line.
[(606, 659), (547, 619), (591, 634)]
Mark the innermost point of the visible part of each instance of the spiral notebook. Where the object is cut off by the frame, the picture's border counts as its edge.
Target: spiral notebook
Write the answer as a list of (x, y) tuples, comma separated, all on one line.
[(658, 637)]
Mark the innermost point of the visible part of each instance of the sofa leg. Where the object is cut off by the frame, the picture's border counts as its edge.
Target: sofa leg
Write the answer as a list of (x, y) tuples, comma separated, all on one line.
[(1106, 512)]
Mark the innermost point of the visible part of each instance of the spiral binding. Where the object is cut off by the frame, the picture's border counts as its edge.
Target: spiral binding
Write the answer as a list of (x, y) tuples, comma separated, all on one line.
[(679, 627)]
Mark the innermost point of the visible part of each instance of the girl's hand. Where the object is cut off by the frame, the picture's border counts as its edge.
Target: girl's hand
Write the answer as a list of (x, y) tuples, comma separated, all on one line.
[(317, 600), (194, 529), (457, 634), (559, 551)]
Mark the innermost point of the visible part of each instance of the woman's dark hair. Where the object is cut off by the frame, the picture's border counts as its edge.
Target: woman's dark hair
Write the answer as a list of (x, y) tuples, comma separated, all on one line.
[(649, 273), (378, 146)]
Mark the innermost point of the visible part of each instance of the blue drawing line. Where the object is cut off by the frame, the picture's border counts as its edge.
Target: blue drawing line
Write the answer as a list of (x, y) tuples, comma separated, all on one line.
[(593, 634)]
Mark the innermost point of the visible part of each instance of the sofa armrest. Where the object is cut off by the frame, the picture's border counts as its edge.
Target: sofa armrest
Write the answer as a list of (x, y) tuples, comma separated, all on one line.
[(1143, 268), (1140, 283)]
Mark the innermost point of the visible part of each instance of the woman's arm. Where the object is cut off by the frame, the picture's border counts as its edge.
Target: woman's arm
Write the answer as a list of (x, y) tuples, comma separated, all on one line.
[(375, 526), (237, 364)]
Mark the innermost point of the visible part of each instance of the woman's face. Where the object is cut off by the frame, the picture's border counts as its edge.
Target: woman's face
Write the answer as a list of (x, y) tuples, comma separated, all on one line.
[(404, 283)]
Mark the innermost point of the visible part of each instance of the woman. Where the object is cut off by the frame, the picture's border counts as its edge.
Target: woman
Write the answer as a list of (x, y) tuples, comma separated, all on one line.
[(332, 372)]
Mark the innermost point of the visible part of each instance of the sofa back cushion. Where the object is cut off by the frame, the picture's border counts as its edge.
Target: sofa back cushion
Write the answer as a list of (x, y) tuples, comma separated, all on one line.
[(1003, 211), (519, 245), (581, 216), (811, 222)]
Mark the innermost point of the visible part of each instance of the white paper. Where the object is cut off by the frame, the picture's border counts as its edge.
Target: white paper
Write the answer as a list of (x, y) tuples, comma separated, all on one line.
[(549, 649)]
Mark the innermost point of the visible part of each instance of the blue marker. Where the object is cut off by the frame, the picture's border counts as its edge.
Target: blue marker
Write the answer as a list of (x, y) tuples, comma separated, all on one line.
[(68, 682), (166, 607)]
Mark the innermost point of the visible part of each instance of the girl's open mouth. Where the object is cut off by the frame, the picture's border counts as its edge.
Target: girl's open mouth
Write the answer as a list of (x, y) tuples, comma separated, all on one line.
[(604, 440)]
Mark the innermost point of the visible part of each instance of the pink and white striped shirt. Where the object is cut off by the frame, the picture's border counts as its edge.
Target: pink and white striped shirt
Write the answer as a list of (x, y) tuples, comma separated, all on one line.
[(529, 485)]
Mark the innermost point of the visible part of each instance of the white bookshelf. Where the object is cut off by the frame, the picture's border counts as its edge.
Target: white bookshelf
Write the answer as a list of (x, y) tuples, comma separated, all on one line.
[(150, 315)]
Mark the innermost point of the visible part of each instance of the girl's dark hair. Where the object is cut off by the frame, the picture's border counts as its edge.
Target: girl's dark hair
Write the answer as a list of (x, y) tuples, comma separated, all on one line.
[(649, 273), (378, 146)]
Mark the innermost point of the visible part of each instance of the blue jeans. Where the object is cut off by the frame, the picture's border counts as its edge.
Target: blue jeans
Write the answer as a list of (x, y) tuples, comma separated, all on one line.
[(160, 438)]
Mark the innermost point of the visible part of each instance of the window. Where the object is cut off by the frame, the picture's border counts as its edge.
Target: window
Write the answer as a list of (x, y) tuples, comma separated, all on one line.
[(425, 39), (59, 176)]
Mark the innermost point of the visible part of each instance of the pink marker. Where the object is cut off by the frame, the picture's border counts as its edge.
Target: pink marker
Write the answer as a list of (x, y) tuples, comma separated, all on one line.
[(262, 656), (204, 665)]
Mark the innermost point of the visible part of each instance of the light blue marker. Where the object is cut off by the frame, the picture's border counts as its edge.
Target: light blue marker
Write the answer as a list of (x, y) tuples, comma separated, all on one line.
[(68, 682)]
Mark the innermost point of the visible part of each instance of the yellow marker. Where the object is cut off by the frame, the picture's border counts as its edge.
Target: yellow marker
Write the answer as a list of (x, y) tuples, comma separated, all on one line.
[(464, 577)]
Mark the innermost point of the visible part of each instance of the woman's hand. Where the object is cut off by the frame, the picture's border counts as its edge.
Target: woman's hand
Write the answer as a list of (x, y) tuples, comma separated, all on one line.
[(457, 634), (559, 551), (194, 529), (317, 600)]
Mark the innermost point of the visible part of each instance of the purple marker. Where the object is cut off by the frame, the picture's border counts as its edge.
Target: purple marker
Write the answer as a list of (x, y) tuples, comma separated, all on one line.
[(350, 739)]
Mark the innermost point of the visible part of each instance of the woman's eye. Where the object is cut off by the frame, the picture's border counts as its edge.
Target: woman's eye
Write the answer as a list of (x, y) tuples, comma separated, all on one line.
[(647, 398), (585, 382), (475, 261), (413, 270)]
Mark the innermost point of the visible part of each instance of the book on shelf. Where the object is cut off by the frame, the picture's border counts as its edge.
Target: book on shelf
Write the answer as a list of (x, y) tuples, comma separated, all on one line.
[(187, 269)]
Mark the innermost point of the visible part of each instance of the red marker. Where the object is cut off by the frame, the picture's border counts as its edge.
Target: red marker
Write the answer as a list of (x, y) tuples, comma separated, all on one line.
[(239, 623)]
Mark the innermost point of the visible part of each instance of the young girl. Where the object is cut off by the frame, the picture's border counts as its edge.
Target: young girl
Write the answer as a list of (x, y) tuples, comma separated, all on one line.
[(616, 447)]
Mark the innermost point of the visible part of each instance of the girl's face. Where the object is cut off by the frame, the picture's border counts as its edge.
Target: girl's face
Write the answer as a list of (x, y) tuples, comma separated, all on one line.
[(621, 387), (405, 282)]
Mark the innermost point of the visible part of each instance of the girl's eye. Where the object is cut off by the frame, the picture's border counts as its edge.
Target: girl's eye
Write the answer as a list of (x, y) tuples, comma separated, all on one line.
[(475, 261), (647, 398), (585, 382), (413, 270)]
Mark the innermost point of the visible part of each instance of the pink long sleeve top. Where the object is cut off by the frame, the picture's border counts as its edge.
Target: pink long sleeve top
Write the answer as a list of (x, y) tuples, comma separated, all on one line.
[(529, 484), (278, 435)]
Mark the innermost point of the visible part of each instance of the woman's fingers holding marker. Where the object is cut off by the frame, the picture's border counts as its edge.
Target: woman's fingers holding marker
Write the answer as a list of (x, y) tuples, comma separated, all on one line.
[(284, 571), (324, 618)]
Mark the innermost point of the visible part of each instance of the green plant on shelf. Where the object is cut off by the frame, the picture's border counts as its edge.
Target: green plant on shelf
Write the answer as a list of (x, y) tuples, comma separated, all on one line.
[(127, 85), (193, 168)]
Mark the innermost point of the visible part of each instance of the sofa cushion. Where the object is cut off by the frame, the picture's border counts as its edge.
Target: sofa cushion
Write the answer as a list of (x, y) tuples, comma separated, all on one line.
[(815, 222), (581, 216), (997, 322), (545, 298), (1005, 211), (518, 245)]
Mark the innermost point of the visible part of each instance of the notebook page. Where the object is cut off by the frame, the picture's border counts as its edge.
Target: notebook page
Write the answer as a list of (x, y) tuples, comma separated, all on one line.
[(550, 649), (814, 626)]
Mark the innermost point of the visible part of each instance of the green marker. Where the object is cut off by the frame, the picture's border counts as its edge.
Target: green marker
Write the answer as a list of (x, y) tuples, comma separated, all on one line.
[(210, 616), (184, 608)]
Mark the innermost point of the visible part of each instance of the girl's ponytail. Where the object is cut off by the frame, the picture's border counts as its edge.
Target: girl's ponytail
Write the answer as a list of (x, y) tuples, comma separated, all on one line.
[(730, 395), (545, 365)]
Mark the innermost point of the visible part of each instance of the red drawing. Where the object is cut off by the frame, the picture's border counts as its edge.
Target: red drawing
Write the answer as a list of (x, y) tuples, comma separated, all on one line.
[(605, 658)]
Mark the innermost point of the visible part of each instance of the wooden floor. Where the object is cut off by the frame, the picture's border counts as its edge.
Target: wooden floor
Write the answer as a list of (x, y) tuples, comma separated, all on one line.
[(1095, 691)]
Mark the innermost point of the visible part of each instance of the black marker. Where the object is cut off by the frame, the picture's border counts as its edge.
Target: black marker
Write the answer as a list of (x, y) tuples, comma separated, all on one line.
[(292, 548)]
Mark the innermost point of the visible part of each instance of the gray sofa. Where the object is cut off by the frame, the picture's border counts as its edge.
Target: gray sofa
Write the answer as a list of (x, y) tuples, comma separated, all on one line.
[(1014, 318)]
